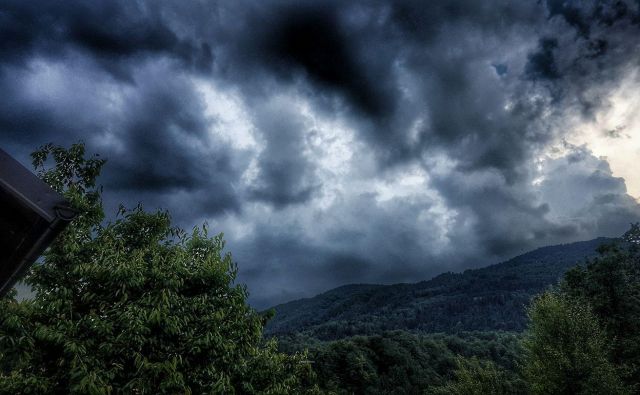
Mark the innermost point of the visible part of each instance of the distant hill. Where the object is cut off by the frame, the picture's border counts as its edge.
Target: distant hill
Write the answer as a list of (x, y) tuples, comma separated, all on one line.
[(490, 298)]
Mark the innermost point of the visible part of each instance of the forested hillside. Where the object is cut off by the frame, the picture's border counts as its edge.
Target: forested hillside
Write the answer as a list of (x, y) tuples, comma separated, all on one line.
[(399, 362), (490, 298)]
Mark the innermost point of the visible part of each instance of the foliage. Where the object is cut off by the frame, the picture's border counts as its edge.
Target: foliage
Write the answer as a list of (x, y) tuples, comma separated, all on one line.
[(566, 350), (477, 377), (134, 306), (491, 298), (610, 284), (399, 362)]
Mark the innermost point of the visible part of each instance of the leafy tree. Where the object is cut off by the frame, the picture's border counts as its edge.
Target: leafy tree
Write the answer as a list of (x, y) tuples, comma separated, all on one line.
[(476, 377), (400, 362), (566, 350), (134, 306), (611, 285)]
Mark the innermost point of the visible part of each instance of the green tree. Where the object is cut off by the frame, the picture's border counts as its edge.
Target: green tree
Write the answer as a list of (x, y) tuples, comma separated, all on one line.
[(134, 306), (611, 285), (476, 377), (566, 351)]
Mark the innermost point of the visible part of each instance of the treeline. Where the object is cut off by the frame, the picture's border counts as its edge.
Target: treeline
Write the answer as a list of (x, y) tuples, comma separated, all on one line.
[(399, 362)]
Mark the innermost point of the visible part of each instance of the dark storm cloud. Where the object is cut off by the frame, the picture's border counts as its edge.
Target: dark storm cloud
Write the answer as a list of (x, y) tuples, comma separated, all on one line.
[(160, 134), (571, 12), (583, 50), (284, 176), (21, 119), (492, 126), (583, 15), (311, 39), (111, 32), (375, 240), (542, 64), (165, 146), (344, 100)]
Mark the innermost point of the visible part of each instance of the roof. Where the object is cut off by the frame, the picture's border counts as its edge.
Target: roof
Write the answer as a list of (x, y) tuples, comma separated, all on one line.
[(31, 215)]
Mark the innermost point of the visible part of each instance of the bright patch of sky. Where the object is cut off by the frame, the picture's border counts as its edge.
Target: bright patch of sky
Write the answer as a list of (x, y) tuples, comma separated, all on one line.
[(614, 134), (228, 114)]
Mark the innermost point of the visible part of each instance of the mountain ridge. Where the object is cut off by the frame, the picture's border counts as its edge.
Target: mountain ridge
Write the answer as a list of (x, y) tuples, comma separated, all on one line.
[(488, 298)]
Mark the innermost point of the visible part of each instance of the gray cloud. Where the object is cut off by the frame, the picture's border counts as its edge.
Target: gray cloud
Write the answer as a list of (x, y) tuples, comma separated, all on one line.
[(114, 34), (285, 176), (333, 142)]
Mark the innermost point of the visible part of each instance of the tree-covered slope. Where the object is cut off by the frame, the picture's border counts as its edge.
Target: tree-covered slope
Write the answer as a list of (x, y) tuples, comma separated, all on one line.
[(490, 298), (399, 362)]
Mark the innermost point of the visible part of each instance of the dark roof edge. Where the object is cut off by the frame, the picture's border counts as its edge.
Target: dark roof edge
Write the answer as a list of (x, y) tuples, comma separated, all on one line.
[(28, 188)]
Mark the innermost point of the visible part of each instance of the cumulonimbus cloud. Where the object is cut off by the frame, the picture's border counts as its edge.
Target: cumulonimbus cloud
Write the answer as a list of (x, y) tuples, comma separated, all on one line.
[(334, 142)]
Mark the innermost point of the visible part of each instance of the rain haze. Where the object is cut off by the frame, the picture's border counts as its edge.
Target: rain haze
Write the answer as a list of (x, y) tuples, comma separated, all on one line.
[(338, 142)]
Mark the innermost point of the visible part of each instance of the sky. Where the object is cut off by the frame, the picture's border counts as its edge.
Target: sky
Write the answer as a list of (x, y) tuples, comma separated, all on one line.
[(338, 142)]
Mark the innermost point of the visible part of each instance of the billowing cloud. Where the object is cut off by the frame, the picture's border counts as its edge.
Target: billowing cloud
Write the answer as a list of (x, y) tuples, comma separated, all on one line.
[(333, 142)]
